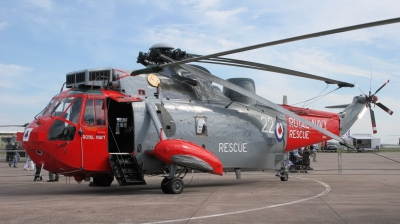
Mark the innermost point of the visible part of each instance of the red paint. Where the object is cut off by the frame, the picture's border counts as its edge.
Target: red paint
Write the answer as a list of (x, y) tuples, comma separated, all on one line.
[(20, 136), (164, 150), (300, 135)]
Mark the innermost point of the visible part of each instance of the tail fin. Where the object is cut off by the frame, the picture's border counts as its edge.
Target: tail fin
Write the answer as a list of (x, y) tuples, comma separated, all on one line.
[(351, 113)]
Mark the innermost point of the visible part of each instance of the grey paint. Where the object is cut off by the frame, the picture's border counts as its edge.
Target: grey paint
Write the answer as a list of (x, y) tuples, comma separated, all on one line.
[(234, 129)]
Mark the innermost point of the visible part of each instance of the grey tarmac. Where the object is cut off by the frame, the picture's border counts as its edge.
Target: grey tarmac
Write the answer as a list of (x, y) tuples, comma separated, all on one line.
[(356, 196)]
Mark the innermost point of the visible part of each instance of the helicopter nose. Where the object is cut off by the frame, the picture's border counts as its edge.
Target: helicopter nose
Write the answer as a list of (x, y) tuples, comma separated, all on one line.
[(34, 143)]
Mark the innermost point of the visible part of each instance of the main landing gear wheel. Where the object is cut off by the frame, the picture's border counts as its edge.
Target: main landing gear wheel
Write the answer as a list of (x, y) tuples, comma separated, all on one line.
[(164, 185), (172, 186), (102, 181), (175, 185), (284, 176)]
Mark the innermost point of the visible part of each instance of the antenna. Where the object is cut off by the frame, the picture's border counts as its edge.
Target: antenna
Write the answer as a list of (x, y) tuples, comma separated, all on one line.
[(370, 81)]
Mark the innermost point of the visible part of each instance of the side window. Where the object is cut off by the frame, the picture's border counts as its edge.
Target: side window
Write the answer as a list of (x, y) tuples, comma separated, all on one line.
[(201, 126), (89, 112), (94, 112), (100, 114)]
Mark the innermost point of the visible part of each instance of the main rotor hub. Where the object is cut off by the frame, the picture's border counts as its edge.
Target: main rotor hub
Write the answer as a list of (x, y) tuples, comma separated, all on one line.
[(153, 56)]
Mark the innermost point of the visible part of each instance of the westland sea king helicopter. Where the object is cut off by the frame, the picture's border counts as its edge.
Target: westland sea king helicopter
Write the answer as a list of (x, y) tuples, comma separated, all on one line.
[(168, 118)]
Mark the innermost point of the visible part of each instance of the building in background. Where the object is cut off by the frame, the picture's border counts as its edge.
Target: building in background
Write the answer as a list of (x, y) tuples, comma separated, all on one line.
[(365, 142)]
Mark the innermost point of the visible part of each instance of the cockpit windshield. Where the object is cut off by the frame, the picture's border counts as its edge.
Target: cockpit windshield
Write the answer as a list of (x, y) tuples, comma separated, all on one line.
[(69, 108), (65, 108)]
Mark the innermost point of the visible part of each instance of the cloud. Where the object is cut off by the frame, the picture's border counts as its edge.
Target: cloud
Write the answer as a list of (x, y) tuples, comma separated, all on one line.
[(43, 4), (3, 25), (11, 74), (204, 4), (223, 17)]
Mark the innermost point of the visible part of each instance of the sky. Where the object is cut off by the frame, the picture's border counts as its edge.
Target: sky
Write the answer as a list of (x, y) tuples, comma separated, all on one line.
[(42, 40)]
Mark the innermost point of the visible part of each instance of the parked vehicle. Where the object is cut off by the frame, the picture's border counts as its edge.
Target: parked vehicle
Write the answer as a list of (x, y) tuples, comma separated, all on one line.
[(331, 147)]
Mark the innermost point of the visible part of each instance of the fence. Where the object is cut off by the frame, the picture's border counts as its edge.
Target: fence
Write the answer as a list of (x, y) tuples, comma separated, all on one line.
[(383, 159)]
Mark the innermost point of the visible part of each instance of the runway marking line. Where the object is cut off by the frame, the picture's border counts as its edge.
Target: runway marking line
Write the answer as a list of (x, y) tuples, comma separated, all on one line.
[(326, 191)]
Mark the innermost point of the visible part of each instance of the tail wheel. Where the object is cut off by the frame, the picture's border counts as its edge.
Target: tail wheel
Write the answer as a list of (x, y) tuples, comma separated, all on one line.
[(175, 185)]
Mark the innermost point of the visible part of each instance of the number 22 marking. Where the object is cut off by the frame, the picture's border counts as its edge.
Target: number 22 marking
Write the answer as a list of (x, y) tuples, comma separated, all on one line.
[(268, 120)]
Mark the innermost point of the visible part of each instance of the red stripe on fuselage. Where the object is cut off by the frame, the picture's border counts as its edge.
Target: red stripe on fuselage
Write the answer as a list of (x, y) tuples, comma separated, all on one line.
[(300, 134)]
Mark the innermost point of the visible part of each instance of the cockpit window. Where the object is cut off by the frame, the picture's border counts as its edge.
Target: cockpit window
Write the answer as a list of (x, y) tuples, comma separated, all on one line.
[(49, 107), (72, 112), (61, 130), (61, 106)]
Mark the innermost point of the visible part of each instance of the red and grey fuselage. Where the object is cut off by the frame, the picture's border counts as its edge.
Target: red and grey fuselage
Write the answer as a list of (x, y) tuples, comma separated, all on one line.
[(82, 126)]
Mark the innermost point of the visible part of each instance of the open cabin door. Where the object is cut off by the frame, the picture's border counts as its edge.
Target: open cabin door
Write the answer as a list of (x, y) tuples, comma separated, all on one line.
[(121, 140), (120, 130)]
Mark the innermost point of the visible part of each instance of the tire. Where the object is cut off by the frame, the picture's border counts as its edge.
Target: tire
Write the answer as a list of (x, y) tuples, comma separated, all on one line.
[(175, 185), (284, 176), (102, 181), (164, 185)]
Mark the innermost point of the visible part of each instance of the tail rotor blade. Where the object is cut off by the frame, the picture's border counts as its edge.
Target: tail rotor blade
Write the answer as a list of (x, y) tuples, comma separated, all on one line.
[(371, 112), (360, 90), (385, 108), (384, 84)]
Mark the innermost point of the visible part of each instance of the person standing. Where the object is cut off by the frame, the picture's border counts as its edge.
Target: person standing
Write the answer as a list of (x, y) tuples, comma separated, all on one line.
[(16, 157), (38, 175), (306, 158), (314, 152), (53, 177)]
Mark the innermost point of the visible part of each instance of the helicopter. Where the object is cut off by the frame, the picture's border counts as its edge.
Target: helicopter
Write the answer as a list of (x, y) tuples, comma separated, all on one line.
[(170, 118)]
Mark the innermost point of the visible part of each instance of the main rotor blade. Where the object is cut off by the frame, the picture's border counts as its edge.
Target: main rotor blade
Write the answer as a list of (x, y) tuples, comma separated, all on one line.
[(270, 68), (384, 84), (229, 85), (287, 40), (11, 125), (372, 114), (385, 108), (338, 106), (361, 90)]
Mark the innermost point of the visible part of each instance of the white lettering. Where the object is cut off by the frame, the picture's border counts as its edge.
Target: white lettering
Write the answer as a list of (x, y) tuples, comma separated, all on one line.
[(298, 134), (297, 124), (321, 123), (235, 150), (269, 124), (232, 147)]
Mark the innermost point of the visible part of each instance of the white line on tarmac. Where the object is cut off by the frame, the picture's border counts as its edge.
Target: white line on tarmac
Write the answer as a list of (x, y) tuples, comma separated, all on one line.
[(326, 191)]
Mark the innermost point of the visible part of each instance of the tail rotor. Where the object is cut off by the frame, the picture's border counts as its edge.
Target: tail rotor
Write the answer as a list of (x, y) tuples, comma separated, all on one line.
[(374, 99)]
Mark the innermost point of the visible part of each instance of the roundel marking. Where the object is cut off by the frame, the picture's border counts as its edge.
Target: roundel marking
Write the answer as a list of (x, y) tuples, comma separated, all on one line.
[(279, 130)]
